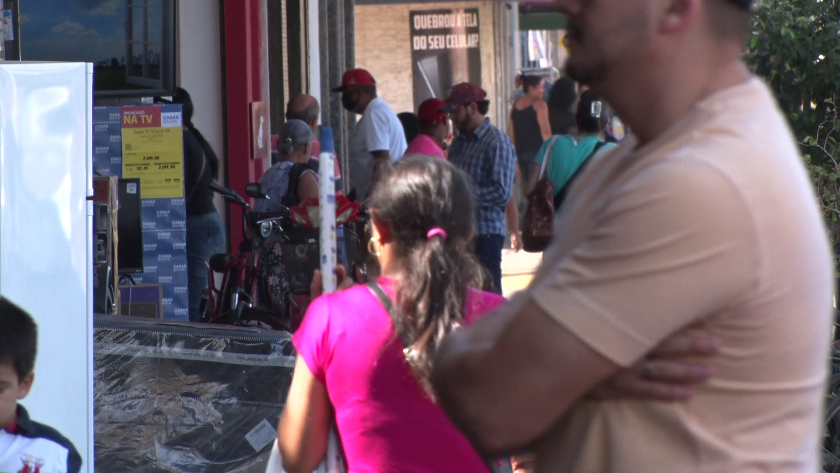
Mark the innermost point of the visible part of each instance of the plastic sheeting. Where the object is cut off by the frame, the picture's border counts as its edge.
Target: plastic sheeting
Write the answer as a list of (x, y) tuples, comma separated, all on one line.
[(179, 397)]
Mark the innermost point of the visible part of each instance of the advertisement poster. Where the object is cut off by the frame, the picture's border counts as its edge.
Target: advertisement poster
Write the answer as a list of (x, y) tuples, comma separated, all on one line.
[(146, 142), (153, 151), (445, 50)]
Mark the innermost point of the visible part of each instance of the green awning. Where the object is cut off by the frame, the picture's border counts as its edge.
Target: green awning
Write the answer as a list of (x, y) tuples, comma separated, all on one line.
[(542, 21)]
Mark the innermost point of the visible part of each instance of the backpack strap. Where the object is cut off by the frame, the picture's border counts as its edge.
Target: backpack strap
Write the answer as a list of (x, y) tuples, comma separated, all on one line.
[(377, 291), (560, 197)]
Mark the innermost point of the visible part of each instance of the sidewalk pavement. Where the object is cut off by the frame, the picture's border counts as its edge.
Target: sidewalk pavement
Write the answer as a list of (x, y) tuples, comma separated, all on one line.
[(517, 270)]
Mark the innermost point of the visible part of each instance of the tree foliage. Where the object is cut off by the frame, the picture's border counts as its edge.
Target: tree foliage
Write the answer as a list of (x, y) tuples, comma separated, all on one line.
[(795, 46)]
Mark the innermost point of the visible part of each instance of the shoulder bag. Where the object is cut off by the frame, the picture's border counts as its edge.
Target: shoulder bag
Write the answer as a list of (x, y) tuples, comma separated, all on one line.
[(538, 226)]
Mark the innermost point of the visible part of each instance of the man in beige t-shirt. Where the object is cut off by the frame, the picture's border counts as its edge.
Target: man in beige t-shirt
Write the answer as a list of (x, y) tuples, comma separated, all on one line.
[(705, 222)]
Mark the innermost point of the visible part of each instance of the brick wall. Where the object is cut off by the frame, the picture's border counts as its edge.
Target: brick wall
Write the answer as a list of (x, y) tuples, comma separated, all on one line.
[(383, 46)]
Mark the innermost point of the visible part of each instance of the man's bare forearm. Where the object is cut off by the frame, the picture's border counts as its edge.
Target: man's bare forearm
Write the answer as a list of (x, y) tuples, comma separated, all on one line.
[(381, 167)]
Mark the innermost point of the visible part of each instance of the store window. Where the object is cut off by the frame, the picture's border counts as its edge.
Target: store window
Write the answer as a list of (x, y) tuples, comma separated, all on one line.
[(144, 21), (131, 43)]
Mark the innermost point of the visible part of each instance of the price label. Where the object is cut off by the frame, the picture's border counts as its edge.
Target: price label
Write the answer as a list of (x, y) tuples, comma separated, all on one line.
[(153, 153)]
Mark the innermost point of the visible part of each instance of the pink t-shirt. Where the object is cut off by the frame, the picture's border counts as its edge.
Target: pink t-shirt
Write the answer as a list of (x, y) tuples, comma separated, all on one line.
[(424, 144), (385, 420)]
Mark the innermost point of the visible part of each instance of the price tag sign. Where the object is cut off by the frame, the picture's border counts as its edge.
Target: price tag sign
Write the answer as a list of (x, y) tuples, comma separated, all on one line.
[(152, 145)]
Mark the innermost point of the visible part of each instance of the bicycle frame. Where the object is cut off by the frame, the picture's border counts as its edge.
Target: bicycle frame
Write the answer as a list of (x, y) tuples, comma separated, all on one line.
[(241, 285)]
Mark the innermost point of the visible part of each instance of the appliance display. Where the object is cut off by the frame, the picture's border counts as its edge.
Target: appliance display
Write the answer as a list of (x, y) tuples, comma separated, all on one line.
[(46, 233)]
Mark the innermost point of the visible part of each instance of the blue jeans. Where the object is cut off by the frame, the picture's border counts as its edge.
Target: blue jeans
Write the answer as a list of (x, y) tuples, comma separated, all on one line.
[(488, 249), (205, 237)]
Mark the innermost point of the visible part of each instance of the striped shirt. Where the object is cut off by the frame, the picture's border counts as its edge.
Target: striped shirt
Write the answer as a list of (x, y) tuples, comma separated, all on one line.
[(489, 158)]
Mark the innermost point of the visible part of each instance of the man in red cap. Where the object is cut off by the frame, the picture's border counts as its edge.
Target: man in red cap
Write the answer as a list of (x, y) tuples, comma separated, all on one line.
[(433, 130), (487, 155), (378, 138), (704, 222)]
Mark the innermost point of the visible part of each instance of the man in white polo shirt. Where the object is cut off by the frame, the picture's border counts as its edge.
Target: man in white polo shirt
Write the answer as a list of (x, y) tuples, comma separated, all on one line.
[(378, 139)]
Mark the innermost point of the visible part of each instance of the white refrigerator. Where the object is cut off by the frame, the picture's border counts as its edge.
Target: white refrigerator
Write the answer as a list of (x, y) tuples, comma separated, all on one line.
[(46, 259)]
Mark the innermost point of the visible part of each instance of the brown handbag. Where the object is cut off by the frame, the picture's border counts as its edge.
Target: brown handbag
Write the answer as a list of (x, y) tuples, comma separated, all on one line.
[(538, 228)]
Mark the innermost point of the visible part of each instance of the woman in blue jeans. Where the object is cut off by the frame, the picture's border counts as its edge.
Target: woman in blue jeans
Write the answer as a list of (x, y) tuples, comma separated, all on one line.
[(205, 229)]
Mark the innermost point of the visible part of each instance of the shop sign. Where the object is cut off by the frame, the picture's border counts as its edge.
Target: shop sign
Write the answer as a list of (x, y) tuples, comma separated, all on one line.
[(445, 50)]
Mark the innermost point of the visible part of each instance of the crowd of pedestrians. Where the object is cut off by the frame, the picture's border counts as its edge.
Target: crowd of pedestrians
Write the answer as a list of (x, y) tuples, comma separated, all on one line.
[(679, 321)]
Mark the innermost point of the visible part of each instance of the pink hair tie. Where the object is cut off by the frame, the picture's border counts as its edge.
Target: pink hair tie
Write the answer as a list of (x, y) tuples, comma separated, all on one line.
[(437, 231)]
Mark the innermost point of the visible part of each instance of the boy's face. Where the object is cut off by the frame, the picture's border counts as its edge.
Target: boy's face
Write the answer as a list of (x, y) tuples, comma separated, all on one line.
[(11, 391)]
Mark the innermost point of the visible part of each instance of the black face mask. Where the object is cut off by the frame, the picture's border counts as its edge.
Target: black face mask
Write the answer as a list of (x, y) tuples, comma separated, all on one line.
[(348, 103)]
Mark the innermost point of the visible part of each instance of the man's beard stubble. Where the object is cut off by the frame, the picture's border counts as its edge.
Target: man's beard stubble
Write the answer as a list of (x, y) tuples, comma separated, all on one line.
[(583, 74)]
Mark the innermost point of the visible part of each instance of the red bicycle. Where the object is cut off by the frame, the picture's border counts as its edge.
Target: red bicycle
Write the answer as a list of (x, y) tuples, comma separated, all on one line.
[(267, 284)]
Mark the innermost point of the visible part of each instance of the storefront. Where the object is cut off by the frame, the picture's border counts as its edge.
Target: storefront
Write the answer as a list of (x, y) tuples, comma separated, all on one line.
[(230, 55), (222, 52)]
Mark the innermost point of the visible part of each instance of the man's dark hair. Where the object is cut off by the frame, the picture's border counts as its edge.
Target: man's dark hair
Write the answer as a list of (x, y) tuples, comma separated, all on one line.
[(483, 107), (562, 95), (530, 82), (410, 124), (306, 115), (561, 99), (369, 89), (18, 338)]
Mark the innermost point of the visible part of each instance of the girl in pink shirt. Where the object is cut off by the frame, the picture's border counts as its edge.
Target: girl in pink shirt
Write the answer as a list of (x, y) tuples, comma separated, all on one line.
[(354, 364)]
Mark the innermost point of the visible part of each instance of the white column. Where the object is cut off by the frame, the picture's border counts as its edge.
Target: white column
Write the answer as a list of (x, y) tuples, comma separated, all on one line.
[(313, 48), (200, 72)]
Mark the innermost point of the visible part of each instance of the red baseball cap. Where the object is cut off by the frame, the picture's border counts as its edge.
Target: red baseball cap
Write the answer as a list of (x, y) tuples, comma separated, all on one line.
[(355, 78), (430, 111), (463, 94)]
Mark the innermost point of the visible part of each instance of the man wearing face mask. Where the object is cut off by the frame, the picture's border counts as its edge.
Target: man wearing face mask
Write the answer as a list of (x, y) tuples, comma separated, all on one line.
[(379, 138)]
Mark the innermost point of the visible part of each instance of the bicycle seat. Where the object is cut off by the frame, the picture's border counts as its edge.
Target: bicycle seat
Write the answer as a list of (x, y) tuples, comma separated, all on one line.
[(218, 262), (259, 216)]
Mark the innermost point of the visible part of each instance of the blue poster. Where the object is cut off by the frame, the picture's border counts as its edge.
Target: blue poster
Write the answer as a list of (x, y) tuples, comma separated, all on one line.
[(164, 219)]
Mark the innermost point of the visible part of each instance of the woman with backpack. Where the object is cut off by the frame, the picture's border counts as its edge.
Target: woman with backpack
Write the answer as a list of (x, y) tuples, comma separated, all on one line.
[(292, 179), (569, 153)]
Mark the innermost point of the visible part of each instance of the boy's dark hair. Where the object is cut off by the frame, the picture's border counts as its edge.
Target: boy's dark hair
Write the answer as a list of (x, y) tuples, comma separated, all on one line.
[(18, 338)]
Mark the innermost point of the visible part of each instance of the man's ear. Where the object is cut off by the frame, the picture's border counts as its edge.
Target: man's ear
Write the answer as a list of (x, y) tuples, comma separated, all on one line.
[(678, 15), (25, 385)]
